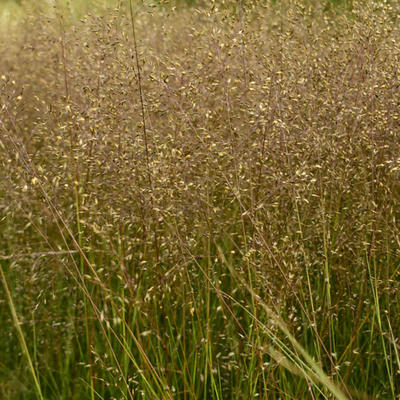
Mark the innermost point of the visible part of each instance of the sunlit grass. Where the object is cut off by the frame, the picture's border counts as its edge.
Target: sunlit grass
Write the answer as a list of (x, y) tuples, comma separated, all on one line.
[(200, 203)]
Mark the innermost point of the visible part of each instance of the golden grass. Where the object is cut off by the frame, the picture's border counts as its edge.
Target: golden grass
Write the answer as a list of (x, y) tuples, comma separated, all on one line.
[(202, 203)]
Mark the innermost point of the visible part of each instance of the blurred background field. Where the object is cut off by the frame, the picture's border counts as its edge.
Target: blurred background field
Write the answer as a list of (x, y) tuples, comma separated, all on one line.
[(200, 201)]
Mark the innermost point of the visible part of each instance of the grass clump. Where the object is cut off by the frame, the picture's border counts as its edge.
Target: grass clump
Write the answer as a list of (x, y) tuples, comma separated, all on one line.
[(201, 203)]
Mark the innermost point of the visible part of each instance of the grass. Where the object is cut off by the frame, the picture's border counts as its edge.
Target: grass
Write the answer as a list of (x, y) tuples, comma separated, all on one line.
[(200, 203)]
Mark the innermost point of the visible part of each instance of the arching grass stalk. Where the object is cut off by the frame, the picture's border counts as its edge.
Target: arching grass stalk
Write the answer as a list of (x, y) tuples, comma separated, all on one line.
[(21, 337), (315, 371), (145, 134), (377, 313)]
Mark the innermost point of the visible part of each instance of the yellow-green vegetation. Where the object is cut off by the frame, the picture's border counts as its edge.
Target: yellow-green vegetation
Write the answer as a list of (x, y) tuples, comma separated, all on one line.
[(201, 203)]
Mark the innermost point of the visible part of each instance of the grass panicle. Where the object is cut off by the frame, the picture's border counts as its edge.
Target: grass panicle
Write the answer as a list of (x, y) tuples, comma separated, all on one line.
[(200, 201)]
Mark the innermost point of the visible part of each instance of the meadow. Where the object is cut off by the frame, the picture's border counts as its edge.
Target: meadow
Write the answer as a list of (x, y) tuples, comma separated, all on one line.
[(200, 201)]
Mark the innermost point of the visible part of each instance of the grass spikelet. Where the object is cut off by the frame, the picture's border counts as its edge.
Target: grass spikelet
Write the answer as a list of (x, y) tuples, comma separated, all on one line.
[(200, 200)]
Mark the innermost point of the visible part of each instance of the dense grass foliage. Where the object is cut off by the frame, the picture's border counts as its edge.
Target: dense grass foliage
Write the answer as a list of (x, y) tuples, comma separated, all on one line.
[(201, 204)]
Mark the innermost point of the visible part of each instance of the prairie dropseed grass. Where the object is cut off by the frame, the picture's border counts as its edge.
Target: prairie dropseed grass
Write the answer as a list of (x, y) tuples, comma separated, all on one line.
[(201, 202)]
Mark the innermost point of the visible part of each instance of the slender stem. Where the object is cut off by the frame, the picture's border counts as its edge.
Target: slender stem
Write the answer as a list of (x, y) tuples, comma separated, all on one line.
[(21, 337), (145, 135)]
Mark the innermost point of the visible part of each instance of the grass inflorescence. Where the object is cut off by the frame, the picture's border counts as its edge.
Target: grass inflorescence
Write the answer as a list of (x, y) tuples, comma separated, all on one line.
[(201, 203)]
